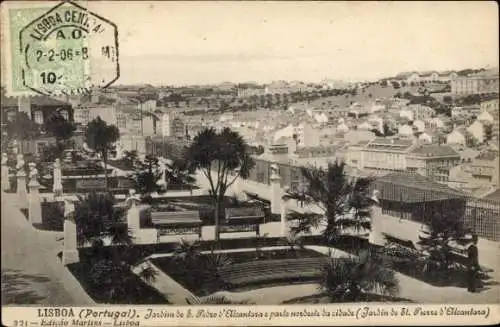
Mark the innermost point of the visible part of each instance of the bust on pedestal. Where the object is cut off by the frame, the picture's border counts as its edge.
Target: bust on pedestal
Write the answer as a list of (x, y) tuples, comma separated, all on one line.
[(34, 205), (22, 193), (70, 251), (376, 236), (276, 194), (162, 164), (57, 186), (133, 212), (5, 173)]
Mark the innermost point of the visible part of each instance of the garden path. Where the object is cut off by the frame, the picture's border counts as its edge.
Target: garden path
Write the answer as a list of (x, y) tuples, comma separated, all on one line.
[(31, 270), (165, 285), (410, 288)]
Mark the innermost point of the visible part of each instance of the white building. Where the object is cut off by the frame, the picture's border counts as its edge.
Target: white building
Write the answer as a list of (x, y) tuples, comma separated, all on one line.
[(456, 137), (420, 125), (407, 114), (485, 116), (86, 113), (365, 126), (436, 122), (171, 125), (342, 127), (149, 105), (405, 130), (477, 131)]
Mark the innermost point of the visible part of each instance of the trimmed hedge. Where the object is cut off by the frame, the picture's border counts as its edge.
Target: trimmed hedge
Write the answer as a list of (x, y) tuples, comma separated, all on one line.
[(52, 216)]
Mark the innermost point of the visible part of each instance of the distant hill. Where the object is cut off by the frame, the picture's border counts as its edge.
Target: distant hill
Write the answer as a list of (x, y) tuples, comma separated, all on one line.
[(376, 91)]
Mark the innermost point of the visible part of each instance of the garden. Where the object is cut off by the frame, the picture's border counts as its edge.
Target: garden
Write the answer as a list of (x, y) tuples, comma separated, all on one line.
[(204, 273), (239, 265)]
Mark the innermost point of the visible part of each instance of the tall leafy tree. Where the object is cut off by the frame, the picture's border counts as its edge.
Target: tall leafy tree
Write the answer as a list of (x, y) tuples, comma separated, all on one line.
[(101, 137), (224, 154), (146, 174), (61, 129), (21, 128), (344, 202)]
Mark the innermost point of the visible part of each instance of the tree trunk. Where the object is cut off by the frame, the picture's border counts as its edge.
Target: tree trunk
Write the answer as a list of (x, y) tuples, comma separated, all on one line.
[(217, 219), (105, 159)]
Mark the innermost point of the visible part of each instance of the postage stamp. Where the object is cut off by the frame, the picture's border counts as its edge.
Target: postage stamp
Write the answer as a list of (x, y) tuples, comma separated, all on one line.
[(249, 163), (66, 50)]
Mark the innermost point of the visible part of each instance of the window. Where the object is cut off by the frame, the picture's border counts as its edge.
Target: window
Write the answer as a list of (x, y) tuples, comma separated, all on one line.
[(38, 117), (11, 115)]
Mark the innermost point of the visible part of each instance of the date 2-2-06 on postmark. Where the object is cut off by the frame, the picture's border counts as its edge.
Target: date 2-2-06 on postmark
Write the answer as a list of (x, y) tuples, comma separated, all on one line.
[(65, 50)]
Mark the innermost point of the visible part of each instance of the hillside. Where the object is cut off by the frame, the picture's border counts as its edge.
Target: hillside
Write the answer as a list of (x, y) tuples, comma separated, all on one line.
[(376, 91)]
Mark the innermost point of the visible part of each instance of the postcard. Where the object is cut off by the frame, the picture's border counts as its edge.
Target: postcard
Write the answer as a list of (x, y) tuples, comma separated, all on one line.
[(250, 163)]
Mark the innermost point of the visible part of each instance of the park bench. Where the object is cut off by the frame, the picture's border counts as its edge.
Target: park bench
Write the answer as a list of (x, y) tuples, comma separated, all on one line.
[(243, 220), (176, 223), (265, 271), (123, 186)]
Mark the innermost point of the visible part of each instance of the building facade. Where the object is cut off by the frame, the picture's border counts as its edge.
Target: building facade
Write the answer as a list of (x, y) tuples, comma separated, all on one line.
[(485, 167), (475, 85), (172, 125), (433, 161), (84, 114), (491, 106), (380, 155)]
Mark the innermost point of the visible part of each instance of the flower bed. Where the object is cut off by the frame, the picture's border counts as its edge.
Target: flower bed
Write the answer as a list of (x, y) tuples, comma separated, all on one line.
[(413, 264), (135, 290), (204, 274)]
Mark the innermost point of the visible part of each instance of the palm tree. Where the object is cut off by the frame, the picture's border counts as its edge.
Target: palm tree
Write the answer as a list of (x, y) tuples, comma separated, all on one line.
[(96, 218), (110, 267), (344, 202), (21, 128), (442, 229), (186, 250), (224, 154), (353, 279)]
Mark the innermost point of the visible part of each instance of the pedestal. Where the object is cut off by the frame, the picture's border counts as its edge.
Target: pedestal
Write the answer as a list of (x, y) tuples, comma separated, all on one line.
[(34, 205), (133, 219), (57, 187), (5, 178), (276, 195), (22, 193), (376, 237), (284, 221), (70, 252)]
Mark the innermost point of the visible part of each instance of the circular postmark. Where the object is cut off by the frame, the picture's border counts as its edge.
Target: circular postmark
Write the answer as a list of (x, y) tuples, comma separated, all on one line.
[(69, 50)]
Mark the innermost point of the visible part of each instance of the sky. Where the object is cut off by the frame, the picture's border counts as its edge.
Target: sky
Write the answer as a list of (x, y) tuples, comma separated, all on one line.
[(195, 42)]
